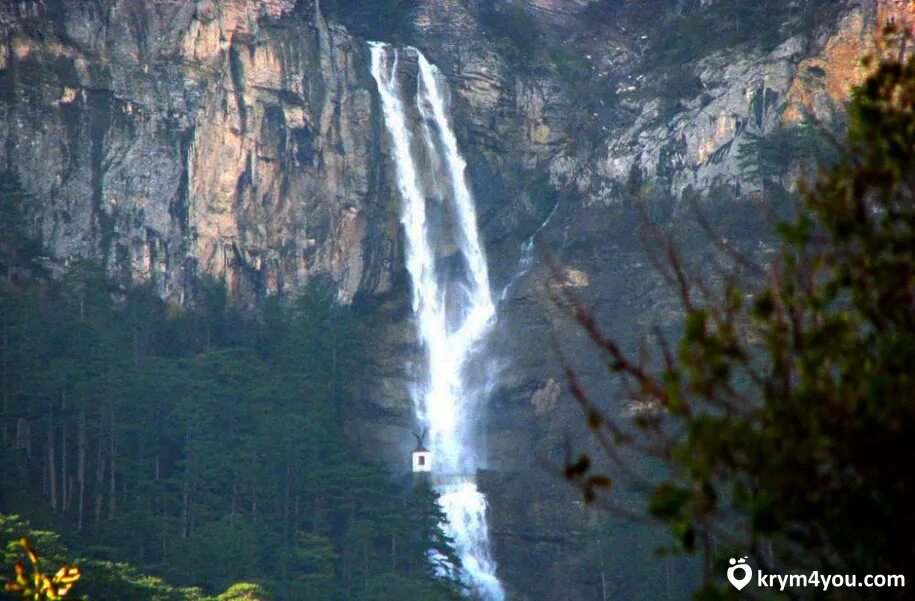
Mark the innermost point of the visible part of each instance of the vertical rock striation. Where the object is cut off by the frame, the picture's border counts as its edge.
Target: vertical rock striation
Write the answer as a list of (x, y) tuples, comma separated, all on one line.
[(175, 139)]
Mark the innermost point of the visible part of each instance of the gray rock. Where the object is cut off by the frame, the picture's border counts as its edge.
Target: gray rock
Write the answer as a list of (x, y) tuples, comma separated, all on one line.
[(241, 139)]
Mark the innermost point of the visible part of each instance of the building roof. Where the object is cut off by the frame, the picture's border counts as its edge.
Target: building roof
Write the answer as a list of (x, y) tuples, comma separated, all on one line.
[(421, 449)]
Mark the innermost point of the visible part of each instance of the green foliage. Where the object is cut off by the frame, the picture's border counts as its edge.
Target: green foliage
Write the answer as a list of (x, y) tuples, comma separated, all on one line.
[(524, 47), (245, 591), (766, 159), (18, 249), (572, 66), (203, 446), (689, 31), (676, 85), (757, 25), (785, 410), (515, 33), (100, 580), (540, 193), (389, 20), (679, 36)]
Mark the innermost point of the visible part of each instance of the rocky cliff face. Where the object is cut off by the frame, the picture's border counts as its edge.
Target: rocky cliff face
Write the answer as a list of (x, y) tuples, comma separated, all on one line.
[(174, 139), (241, 139), (598, 137)]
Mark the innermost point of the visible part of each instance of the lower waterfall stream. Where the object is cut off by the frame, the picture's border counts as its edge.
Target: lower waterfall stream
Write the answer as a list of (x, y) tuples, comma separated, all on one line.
[(451, 299)]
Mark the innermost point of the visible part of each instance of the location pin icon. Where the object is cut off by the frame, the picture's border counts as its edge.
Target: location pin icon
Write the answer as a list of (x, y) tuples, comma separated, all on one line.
[(739, 573)]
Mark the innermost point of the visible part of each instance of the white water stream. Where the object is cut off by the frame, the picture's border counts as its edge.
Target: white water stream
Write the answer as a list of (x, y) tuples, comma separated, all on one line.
[(526, 261), (451, 298)]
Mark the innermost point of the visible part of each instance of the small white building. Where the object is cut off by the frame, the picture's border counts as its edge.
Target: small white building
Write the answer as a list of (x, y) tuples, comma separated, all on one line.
[(422, 459)]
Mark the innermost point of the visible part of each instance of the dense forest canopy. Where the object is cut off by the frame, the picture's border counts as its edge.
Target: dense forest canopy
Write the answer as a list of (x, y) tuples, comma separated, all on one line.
[(202, 445)]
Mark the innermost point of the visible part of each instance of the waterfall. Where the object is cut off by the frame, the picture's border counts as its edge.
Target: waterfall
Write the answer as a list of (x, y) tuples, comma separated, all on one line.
[(526, 260), (451, 299)]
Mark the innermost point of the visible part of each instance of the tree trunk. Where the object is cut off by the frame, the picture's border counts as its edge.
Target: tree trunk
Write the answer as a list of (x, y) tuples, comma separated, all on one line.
[(99, 481), (254, 505), (52, 463), (158, 467), (44, 478), (333, 376), (111, 468), (6, 382), (64, 489), (186, 496), (186, 507), (393, 554), (157, 500), (365, 566), (234, 508), (136, 348), (81, 466), (287, 501)]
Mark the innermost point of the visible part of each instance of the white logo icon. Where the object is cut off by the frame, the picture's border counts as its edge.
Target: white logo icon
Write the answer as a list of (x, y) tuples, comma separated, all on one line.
[(739, 573)]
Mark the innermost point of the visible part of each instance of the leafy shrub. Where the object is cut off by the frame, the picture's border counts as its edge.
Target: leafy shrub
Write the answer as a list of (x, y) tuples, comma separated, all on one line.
[(515, 33), (37, 586)]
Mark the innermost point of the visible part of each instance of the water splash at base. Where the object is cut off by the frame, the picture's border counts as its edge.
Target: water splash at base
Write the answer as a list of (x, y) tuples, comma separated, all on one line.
[(466, 507)]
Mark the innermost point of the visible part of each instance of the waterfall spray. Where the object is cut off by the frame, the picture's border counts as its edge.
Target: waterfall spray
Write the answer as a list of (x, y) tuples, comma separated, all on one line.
[(451, 299)]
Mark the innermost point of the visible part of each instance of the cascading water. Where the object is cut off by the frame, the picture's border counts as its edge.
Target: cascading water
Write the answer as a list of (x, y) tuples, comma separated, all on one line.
[(527, 254), (451, 298)]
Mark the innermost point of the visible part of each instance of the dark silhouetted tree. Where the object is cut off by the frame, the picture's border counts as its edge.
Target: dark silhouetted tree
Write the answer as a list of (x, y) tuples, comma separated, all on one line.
[(786, 415)]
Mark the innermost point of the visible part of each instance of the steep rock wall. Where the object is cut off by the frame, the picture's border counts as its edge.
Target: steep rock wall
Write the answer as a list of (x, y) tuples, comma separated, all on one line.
[(597, 142), (175, 139), (240, 139)]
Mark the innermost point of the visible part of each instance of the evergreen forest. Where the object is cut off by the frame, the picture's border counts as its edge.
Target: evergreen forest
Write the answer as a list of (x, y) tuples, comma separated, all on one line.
[(200, 447)]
